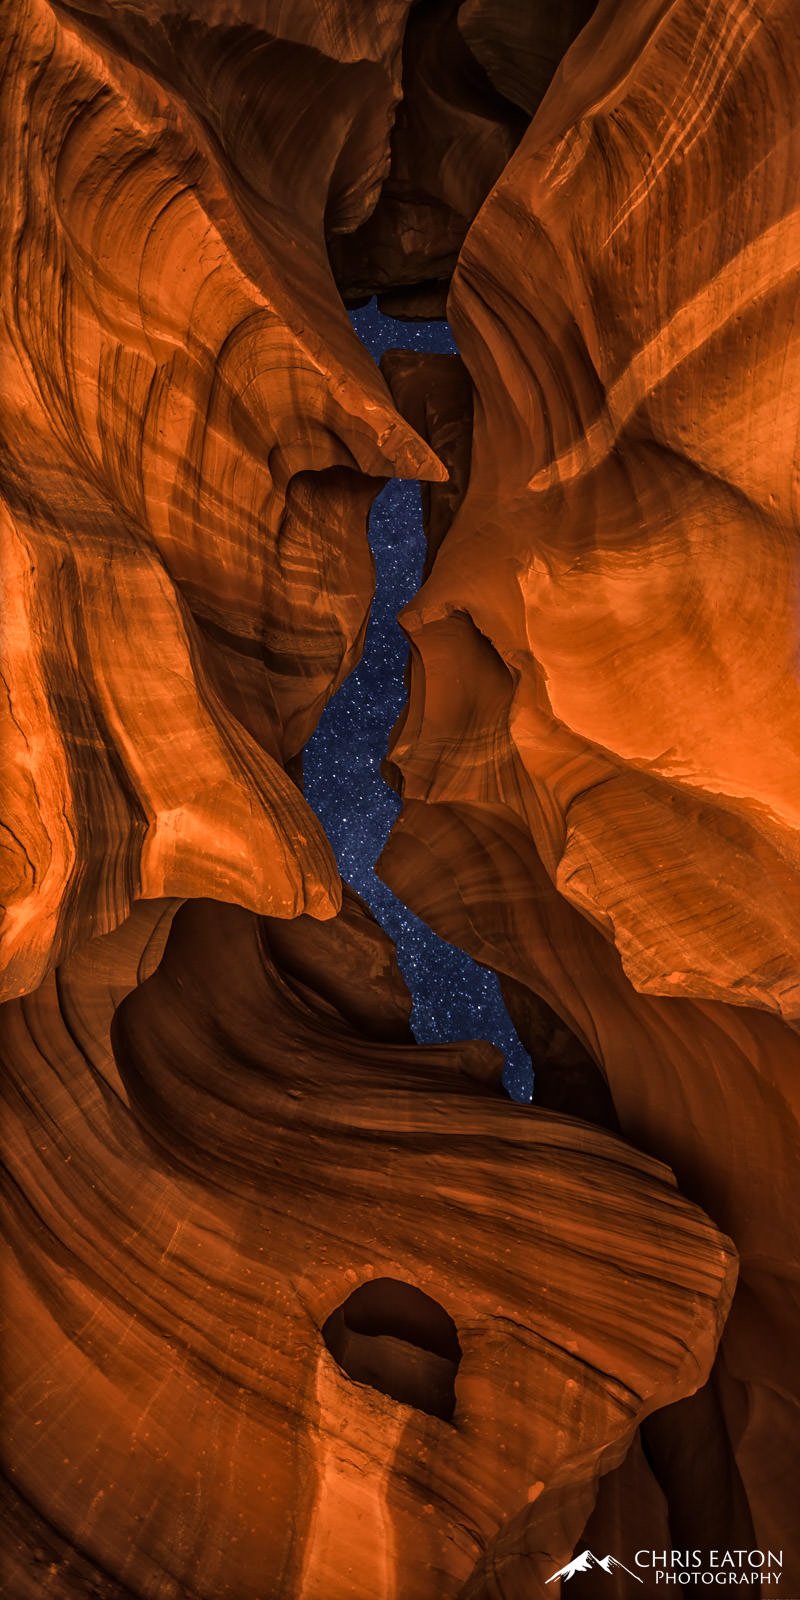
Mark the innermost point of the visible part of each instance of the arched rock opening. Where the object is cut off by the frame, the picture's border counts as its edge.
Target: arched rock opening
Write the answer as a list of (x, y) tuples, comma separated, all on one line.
[(400, 1341)]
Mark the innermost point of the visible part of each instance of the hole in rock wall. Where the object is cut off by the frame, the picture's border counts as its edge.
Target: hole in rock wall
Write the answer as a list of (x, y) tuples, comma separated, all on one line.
[(454, 998), (400, 1341)]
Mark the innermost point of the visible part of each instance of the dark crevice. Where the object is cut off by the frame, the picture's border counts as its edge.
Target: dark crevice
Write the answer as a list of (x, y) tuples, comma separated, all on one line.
[(400, 1341), (454, 997)]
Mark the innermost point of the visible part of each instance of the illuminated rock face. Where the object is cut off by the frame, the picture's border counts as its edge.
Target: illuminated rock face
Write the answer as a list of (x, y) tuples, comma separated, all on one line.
[(631, 474), (194, 436), (599, 758), (324, 1307), (300, 1310)]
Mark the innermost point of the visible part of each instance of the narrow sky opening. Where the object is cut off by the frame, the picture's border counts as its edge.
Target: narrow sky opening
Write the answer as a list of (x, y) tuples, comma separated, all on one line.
[(453, 997)]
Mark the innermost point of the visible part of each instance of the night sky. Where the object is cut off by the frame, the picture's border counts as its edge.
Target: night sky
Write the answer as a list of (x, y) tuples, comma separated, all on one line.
[(453, 997)]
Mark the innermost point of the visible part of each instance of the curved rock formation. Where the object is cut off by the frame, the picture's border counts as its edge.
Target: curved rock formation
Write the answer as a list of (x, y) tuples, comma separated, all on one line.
[(599, 759), (461, 116), (190, 1217), (435, 393), (298, 1309), (193, 436), (520, 47), (452, 136)]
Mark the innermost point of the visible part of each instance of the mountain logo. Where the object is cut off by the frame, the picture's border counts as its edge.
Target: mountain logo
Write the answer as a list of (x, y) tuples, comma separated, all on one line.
[(589, 1563)]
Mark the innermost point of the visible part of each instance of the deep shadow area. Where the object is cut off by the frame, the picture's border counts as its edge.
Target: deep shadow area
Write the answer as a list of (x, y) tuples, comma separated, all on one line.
[(400, 1341)]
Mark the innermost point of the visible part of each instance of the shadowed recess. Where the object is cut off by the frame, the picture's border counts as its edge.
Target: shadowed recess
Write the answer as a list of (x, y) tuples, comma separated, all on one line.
[(400, 1341)]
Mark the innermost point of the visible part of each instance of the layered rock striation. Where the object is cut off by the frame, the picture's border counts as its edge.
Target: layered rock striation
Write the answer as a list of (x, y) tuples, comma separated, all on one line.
[(297, 1309), (235, 1237), (192, 439), (461, 117), (599, 755)]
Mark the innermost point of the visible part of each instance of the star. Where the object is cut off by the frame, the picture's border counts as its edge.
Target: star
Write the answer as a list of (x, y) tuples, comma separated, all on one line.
[(454, 998)]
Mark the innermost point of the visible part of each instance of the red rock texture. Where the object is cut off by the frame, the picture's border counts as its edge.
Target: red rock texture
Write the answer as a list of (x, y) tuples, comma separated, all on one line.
[(435, 393), (217, 1127), (186, 1214), (599, 756), (462, 114), (451, 138), (520, 47), (193, 439)]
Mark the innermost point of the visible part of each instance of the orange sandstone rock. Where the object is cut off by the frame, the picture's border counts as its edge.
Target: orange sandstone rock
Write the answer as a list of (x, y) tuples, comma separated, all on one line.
[(599, 757), (276, 1274), (452, 136), (236, 1241), (193, 436)]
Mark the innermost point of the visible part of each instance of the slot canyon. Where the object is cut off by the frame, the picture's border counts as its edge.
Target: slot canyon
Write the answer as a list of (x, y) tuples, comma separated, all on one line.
[(319, 1283)]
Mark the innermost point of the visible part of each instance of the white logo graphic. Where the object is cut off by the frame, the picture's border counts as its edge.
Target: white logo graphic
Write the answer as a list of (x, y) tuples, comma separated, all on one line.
[(588, 1563)]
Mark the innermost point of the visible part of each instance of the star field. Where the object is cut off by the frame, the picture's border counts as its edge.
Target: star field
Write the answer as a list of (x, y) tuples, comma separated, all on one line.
[(454, 998)]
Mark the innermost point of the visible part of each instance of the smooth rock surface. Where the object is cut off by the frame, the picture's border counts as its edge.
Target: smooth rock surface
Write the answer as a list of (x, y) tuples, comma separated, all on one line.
[(188, 1212), (247, 1218), (194, 437), (599, 757)]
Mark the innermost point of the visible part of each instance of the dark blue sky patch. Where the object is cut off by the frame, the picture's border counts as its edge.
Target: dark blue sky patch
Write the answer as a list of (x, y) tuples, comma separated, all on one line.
[(454, 998)]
